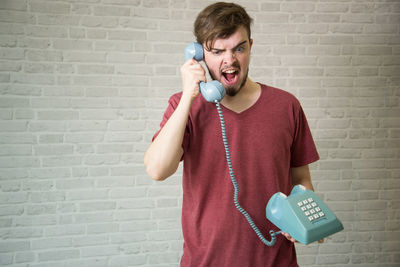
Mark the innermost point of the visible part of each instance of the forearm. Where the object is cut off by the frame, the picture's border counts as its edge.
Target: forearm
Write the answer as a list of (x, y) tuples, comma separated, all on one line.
[(301, 175), (163, 156)]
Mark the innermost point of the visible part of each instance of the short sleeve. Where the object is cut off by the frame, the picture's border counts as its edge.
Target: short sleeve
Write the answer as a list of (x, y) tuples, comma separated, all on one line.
[(303, 150), (172, 104)]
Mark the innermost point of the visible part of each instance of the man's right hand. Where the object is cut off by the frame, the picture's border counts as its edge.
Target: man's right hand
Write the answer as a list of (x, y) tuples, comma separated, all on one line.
[(192, 73)]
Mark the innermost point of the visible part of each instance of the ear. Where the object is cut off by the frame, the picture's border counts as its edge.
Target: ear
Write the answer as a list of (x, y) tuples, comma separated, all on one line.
[(251, 42)]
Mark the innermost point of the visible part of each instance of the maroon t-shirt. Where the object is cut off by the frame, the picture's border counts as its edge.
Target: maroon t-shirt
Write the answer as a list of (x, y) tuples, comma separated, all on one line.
[(265, 140)]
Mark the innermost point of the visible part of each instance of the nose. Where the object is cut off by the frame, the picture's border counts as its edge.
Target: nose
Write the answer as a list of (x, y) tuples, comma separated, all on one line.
[(229, 58)]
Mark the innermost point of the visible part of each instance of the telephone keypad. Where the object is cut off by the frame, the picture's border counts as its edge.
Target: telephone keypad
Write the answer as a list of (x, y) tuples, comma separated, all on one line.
[(311, 209)]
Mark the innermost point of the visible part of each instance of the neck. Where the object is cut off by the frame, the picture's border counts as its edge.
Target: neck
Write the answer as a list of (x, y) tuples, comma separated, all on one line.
[(245, 98)]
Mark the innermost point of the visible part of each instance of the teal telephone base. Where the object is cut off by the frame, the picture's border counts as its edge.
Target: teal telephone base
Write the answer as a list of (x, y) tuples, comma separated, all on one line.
[(303, 215)]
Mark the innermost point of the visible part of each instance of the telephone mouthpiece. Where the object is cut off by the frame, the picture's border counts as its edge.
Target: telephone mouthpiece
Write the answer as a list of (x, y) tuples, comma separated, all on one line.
[(212, 91)]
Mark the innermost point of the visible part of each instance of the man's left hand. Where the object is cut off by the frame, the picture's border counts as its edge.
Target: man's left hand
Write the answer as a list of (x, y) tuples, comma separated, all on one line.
[(291, 239)]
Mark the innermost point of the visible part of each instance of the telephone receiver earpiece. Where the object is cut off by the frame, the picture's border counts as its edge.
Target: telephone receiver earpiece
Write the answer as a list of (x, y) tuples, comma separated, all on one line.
[(212, 91)]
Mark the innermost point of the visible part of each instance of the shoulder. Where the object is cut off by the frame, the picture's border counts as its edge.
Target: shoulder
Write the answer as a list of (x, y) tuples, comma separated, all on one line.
[(174, 99), (279, 96), (197, 104)]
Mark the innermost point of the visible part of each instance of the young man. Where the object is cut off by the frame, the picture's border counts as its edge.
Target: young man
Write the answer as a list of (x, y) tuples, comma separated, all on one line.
[(270, 142)]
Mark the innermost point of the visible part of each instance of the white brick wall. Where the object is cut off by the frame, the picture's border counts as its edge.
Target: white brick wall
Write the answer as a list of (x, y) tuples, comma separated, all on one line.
[(83, 85)]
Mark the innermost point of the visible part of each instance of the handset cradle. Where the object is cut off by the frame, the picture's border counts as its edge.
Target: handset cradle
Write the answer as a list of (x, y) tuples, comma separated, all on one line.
[(212, 91), (303, 215)]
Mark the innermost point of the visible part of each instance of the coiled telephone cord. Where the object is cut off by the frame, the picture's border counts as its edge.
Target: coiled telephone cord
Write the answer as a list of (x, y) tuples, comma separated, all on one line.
[(236, 186)]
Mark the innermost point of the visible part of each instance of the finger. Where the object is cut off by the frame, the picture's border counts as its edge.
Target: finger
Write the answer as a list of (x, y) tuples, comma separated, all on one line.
[(189, 62), (288, 237), (198, 72), (196, 66)]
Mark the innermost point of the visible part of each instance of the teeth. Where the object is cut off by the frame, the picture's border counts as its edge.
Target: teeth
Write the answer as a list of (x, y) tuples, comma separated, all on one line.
[(229, 71)]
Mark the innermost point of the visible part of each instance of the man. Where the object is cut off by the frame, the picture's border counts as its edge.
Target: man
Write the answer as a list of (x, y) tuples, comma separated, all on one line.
[(271, 147)]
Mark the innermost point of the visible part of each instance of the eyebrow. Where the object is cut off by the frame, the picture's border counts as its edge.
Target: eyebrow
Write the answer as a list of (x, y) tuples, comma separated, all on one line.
[(240, 44)]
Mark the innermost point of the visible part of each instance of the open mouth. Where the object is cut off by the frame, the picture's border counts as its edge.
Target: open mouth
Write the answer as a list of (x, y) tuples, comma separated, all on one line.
[(230, 76)]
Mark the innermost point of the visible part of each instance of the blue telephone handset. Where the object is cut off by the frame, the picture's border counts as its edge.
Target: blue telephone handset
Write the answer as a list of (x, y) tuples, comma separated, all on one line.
[(302, 214), (212, 91)]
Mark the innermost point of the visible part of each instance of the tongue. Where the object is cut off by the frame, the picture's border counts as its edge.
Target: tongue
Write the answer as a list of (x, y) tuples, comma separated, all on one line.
[(230, 76)]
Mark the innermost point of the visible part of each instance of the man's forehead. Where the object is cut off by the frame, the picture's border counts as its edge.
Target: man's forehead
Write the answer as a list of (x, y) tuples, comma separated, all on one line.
[(235, 39), (231, 45)]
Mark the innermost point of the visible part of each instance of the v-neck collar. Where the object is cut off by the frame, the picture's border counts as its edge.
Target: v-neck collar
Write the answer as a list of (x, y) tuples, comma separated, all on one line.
[(250, 107)]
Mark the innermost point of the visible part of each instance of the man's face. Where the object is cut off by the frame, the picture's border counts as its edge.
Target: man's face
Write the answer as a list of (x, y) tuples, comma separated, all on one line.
[(228, 60)]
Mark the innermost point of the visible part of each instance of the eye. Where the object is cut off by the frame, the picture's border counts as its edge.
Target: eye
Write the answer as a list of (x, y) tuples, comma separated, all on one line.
[(240, 49), (216, 52)]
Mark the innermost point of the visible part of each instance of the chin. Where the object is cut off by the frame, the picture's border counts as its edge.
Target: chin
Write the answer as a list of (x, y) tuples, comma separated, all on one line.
[(231, 91)]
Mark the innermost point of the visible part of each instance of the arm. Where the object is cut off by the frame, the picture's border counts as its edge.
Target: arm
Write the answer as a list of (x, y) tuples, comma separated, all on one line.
[(164, 153), (301, 175), (162, 157)]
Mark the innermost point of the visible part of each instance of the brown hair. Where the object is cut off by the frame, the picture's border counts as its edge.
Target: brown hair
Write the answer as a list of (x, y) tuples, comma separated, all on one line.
[(220, 20)]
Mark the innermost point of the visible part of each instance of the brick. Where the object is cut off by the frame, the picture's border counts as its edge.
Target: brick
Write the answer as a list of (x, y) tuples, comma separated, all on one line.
[(380, 29), (12, 246), (58, 255), (139, 23), (81, 9), (85, 57), (113, 45), (334, 61), (118, 57), (90, 240), (85, 218), (10, 102), (57, 8), (130, 260), (46, 31), (337, 39), (11, 210), (12, 53), (268, 18), (323, 18), (127, 125), (158, 13), (96, 206), (171, 257), (37, 220), (357, 18), (103, 22), (323, 50), (9, 28), (72, 44), (313, 29), (95, 262), (86, 195), (21, 257), (51, 19), (14, 150), (334, 7), (34, 55), (374, 50), (20, 5), (126, 35), (40, 209), (20, 162), (100, 251), (111, 11), (96, 34)]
